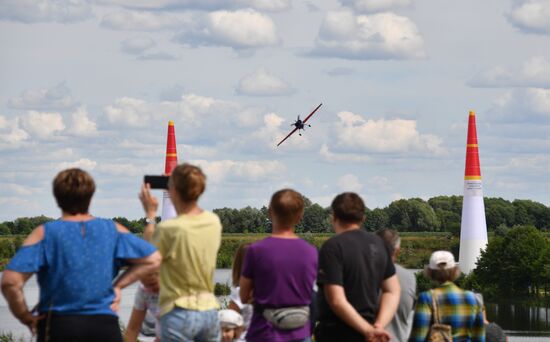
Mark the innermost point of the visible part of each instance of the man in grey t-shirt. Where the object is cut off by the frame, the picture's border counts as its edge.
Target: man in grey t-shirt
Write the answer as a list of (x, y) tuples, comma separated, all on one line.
[(400, 326)]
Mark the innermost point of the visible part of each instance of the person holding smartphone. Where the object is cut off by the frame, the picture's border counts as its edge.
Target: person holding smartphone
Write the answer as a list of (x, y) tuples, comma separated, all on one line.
[(189, 245)]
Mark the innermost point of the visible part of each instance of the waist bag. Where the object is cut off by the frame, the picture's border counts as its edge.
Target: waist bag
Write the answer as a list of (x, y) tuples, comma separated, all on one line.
[(286, 318)]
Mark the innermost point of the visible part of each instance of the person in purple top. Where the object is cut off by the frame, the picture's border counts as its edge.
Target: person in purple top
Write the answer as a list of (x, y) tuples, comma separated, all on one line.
[(278, 275)]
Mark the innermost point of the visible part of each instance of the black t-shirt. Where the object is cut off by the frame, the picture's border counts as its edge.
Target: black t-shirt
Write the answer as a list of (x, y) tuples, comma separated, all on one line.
[(358, 261)]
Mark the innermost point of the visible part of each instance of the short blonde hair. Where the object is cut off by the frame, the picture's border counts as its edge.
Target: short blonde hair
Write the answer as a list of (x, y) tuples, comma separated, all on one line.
[(73, 190), (189, 182)]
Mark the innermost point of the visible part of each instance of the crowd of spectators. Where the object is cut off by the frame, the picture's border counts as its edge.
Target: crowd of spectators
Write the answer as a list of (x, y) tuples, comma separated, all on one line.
[(282, 288)]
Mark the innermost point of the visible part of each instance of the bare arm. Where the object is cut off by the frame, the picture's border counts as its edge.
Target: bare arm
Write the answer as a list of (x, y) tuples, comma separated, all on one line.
[(134, 325), (12, 287), (150, 206), (391, 291), (138, 268), (336, 298), (246, 287), (233, 306)]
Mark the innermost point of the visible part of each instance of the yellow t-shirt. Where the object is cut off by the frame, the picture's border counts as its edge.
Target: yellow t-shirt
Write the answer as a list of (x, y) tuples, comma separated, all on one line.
[(189, 247)]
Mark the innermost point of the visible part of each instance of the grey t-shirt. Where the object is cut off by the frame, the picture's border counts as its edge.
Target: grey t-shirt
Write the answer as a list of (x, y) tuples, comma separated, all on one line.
[(400, 326)]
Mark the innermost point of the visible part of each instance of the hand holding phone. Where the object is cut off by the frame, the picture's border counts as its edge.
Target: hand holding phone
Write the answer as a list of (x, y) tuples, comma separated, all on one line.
[(156, 182)]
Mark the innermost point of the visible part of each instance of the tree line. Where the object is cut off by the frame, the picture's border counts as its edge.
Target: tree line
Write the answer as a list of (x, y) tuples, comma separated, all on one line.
[(438, 214)]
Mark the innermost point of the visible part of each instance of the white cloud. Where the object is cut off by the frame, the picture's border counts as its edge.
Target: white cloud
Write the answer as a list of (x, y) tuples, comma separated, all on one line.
[(83, 163), (369, 6), (241, 171), (239, 29), (332, 157), (82, 124), (10, 133), (263, 5), (140, 21), (535, 72), (30, 11), (17, 189), (531, 16), (377, 36), (349, 182), (137, 45), (157, 56), (42, 125), (523, 105), (56, 97), (119, 169), (354, 133), (263, 83), (129, 111)]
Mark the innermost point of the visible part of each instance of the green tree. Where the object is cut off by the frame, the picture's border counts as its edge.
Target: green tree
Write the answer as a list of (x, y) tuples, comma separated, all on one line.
[(376, 219), (514, 263), (499, 211), (412, 215), (316, 220)]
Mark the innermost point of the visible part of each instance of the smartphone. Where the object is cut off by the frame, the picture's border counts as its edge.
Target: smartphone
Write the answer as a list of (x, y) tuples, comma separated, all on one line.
[(156, 182)]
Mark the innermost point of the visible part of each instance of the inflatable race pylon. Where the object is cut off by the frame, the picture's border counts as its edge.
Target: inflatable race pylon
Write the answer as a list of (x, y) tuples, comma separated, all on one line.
[(473, 228), (168, 210)]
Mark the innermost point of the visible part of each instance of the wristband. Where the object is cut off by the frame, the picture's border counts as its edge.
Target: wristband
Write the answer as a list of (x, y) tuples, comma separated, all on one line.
[(151, 220)]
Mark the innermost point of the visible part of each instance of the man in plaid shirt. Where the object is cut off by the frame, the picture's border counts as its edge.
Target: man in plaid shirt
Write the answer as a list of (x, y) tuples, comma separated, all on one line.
[(457, 307)]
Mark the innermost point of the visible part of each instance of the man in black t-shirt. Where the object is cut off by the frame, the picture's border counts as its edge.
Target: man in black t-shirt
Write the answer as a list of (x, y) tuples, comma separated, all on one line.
[(358, 288)]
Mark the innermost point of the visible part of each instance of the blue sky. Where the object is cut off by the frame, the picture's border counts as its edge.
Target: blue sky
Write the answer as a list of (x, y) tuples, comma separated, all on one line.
[(93, 84)]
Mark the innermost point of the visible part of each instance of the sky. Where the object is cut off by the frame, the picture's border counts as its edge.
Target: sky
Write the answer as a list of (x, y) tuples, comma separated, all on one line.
[(93, 84)]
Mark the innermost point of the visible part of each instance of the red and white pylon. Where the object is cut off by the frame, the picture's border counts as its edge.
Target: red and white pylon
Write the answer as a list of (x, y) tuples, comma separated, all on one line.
[(473, 228), (168, 210)]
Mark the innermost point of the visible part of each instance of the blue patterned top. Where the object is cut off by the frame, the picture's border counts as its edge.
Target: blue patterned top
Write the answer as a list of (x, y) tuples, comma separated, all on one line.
[(76, 263)]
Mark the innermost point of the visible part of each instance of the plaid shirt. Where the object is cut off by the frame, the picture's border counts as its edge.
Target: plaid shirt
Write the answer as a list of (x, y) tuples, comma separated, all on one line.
[(457, 308)]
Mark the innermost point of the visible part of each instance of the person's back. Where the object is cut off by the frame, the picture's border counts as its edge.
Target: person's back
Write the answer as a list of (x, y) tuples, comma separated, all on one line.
[(283, 271), (457, 308), (358, 290), (189, 246), (364, 263), (278, 274), (78, 265), (401, 324)]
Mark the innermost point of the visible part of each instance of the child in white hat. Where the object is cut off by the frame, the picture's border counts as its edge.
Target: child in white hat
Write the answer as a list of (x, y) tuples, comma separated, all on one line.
[(231, 323)]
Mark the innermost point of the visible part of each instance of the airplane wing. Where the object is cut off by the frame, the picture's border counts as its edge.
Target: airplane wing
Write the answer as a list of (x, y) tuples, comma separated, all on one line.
[(310, 114), (289, 134)]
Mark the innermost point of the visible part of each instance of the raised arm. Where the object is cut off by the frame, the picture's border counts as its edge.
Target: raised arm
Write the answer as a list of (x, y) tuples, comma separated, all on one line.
[(13, 283), (391, 291), (150, 206)]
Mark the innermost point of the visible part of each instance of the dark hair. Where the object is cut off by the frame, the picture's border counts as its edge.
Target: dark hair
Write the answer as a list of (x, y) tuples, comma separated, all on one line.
[(238, 263), (348, 208), (287, 206), (390, 238), (188, 181), (73, 190)]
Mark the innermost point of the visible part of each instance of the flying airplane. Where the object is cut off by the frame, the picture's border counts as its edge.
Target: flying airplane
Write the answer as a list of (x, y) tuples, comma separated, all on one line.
[(300, 125)]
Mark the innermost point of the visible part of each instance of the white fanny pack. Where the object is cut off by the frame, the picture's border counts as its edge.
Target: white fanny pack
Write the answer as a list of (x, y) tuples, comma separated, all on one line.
[(287, 318)]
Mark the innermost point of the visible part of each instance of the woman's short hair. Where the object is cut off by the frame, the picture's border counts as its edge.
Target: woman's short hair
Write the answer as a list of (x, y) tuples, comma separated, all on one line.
[(348, 208), (189, 182), (238, 263), (442, 275), (287, 206), (73, 190)]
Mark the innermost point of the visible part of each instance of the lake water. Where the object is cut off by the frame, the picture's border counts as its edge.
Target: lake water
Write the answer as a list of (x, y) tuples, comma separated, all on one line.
[(521, 322)]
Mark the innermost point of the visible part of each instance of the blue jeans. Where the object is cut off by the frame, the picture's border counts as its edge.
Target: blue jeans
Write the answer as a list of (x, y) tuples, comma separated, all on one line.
[(181, 325)]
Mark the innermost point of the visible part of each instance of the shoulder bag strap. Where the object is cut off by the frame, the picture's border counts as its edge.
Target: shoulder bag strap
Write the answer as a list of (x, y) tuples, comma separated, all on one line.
[(434, 306)]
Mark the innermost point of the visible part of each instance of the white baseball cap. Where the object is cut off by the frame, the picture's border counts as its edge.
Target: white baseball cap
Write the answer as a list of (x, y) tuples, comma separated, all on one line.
[(230, 318), (442, 258)]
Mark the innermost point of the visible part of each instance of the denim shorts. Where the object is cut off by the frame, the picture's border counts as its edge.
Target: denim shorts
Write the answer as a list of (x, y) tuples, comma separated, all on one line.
[(190, 325)]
